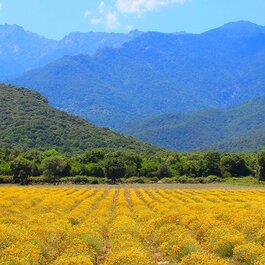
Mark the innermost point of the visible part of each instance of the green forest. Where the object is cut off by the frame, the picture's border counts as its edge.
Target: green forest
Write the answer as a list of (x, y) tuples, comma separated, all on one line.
[(105, 166), (40, 144), (27, 121)]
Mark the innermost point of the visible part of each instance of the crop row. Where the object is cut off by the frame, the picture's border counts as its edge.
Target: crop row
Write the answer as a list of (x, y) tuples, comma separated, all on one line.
[(131, 226)]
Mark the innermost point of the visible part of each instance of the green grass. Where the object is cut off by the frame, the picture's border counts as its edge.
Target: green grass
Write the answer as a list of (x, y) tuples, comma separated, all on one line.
[(246, 181)]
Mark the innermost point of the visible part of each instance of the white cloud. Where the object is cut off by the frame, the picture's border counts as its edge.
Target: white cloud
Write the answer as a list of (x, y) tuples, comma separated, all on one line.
[(102, 7), (109, 15), (88, 13), (111, 20), (95, 21), (141, 6), (106, 16)]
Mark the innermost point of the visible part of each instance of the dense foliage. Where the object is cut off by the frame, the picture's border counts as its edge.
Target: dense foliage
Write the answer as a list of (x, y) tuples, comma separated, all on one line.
[(238, 129), (105, 166), (27, 121), (157, 73)]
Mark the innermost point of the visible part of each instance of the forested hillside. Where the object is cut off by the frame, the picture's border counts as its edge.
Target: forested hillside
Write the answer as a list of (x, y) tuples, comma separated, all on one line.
[(158, 73), (27, 121), (238, 129)]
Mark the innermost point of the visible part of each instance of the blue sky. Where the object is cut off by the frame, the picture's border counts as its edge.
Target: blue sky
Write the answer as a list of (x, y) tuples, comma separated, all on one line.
[(56, 18)]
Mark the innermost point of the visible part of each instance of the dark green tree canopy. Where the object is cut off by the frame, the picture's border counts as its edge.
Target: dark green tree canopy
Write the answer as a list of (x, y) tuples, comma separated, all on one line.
[(115, 169), (55, 167), (234, 165), (21, 169)]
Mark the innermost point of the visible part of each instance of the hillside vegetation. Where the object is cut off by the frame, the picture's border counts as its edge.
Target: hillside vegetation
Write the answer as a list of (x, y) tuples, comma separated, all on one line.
[(238, 129), (157, 73), (27, 121)]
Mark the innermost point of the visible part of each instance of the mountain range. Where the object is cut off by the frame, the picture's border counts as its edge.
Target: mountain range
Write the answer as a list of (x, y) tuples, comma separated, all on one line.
[(179, 91), (27, 121), (21, 50), (157, 73)]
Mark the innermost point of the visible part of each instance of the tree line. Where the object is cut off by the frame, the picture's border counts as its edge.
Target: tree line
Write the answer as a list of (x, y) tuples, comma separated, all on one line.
[(108, 166)]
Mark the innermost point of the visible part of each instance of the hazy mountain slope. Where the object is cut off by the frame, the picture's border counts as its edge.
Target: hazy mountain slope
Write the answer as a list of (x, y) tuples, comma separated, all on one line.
[(22, 50), (158, 73), (237, 129), (78, 88), (27, 121)]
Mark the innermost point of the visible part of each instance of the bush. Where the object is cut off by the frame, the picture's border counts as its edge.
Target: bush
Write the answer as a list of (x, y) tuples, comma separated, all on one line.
[(213, 179), (154, 180), (104, 181), (37, 180), (67, 179), (243, 181), (6, 180), (92, 180), (187, 180), (140, 180), (5, 168), (80, 180), (183, 179), (167, 180)]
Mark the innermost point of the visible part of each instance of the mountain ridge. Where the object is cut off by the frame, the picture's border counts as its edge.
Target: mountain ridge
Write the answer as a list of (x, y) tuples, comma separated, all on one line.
[(241, 128), (157, 73), (22, 50)]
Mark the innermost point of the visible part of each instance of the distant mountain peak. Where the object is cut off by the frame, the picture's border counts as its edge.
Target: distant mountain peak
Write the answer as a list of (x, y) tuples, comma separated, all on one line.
[(239, 28), (242, 25), (13, 27)]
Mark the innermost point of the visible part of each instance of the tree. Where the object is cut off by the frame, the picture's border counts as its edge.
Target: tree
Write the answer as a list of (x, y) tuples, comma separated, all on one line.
[(261, 166), (21, 169), (234, 166), (212, 163), (92, 156), (55, 167), (115, 169), (149, 169), (163, 171), (4, 168)]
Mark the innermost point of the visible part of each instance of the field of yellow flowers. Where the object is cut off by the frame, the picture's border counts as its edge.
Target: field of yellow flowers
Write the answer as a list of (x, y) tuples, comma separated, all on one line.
[(131, 226)]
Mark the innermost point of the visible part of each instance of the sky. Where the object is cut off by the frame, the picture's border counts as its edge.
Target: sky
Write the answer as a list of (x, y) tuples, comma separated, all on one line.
[(56, 18)]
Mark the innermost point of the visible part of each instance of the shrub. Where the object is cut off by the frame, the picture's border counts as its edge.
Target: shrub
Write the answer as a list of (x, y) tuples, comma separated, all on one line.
[(183, 179), (6, 180), (154, 179), (67, 179), (92, 180), (80, 180), (213, 179), (140, 180), (167, 180), (104, 181), (5, 168), (37, 180), (83, 180)]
